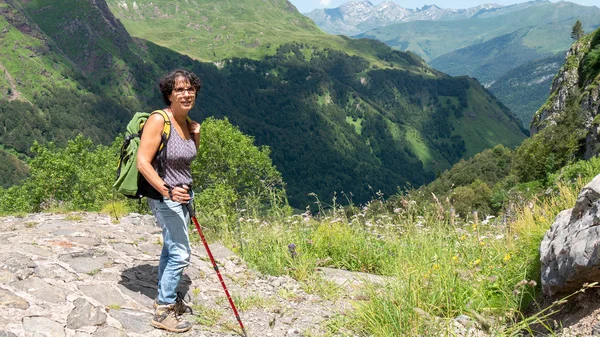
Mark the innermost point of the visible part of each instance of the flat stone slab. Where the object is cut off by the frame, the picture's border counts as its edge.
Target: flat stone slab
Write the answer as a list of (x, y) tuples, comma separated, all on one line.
[(86, 262), (133, 321), (109, 331), (10, 300), (39, 288), (344, 277), (85, 314), (218, 251), (104, 294), (42, 326)]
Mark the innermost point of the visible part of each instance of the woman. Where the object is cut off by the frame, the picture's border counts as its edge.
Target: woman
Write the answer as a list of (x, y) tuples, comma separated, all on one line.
[(179, 89)]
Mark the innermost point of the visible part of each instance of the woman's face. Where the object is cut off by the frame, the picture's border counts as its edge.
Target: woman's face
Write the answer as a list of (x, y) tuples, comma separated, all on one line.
[(183, 95)]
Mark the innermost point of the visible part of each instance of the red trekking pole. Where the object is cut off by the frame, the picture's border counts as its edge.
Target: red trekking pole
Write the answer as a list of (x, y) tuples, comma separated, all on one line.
[(212, 260)]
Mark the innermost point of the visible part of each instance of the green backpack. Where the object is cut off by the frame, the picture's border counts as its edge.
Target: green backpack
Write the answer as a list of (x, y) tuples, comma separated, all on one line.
[(130, 181)]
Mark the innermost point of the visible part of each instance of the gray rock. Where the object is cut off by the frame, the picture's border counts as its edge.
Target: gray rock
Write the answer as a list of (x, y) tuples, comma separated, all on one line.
[(33, 250), (104, 294), (596, 329), (109, 331), (292, 333), (85, 241), (133, 321), (10, 300), (56, 272), (42, 326), (344, 277), (126, 248), (20, 265), (7, 277), (86, 262), (7, 334), (138, 293), (84, 314), (150, 248), (218, 251), (570, 250), (41, 289)]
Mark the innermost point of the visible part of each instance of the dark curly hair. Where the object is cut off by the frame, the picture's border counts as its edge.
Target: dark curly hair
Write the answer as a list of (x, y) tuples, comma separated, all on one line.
[(168, 83)]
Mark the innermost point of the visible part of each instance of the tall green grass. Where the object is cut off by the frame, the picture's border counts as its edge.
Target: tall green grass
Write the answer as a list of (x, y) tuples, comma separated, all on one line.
[(437, 269)]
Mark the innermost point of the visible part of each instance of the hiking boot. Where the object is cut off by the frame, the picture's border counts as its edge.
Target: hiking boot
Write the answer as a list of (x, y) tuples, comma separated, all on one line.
[(166, 317), (181, 306)]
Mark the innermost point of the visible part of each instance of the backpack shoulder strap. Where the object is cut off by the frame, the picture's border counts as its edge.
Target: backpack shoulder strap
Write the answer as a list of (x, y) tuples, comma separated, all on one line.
[(166, 128)]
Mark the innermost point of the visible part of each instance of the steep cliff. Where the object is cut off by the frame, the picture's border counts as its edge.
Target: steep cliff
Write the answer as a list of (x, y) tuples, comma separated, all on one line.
[(576, 86)]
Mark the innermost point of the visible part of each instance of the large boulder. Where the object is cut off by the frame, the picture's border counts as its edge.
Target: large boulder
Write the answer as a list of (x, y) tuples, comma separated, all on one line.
[(569, 253)]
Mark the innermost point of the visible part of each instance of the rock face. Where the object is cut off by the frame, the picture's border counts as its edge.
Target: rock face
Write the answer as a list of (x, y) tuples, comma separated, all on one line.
[(83, 275), (570, 251), (566, 86)]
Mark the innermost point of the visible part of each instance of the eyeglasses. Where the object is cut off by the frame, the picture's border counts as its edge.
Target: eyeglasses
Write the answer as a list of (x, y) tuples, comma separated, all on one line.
[(180, 91)]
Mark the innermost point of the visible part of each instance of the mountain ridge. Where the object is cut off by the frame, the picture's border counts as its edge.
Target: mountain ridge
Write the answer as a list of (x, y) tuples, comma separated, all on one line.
[(334, 121)]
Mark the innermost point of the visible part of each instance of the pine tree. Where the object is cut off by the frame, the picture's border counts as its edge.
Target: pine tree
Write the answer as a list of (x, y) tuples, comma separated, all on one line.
[(577, 31)]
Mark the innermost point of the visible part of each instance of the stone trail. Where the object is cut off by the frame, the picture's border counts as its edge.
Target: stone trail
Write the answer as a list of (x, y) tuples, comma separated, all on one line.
[(80, 274)]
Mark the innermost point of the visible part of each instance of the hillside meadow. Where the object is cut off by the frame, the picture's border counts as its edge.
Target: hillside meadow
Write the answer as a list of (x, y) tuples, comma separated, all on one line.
[(438, 265)]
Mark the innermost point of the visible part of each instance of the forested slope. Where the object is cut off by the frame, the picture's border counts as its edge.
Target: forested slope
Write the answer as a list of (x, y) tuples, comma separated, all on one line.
[(335, 122)]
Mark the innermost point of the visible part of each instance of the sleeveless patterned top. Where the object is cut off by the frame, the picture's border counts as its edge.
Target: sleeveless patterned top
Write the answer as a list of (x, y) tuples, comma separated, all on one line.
[(179, 156)]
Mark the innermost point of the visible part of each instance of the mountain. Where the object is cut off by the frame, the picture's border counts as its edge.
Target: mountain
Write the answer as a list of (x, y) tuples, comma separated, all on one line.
[(527, 87), (335, 120), (355, 17), (575, 91), (214, 30), (487, 43), (545, 27)]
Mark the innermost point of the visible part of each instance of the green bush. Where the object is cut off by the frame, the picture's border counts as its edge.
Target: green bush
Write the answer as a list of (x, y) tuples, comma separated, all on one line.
[(76, 177), (555, 146), (231, 170)]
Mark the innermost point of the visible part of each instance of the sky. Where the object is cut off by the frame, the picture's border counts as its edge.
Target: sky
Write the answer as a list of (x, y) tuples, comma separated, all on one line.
[(305, 6)]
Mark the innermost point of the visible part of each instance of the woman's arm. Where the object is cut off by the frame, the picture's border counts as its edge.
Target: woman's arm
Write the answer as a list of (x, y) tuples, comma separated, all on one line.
[(149, 143), (195, 132)]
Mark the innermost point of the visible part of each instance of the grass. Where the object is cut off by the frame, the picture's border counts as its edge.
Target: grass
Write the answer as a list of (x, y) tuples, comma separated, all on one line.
[(205, 315), (116, 209), (486, 270), (245, 303), (74, 217)]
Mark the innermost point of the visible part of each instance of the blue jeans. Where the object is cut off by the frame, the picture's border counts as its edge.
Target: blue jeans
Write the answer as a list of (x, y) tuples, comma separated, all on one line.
[(174, 218)]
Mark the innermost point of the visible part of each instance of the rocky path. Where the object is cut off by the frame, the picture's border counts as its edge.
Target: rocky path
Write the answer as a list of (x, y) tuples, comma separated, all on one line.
[(78, 275), (14, 93)]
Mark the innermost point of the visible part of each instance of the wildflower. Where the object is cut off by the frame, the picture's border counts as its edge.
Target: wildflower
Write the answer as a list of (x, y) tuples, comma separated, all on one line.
[(455, 258), (436, 266), (474, 227), (464, 237), (477, 262), (521, 283), (506, 257), (292, 250)]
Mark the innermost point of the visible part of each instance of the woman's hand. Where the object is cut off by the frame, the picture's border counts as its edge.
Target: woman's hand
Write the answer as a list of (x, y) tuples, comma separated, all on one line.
[(194, 127), (181, 194)]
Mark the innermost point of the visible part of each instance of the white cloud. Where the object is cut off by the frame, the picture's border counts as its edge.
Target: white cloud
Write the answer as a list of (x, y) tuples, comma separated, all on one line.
[(325, 3)]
